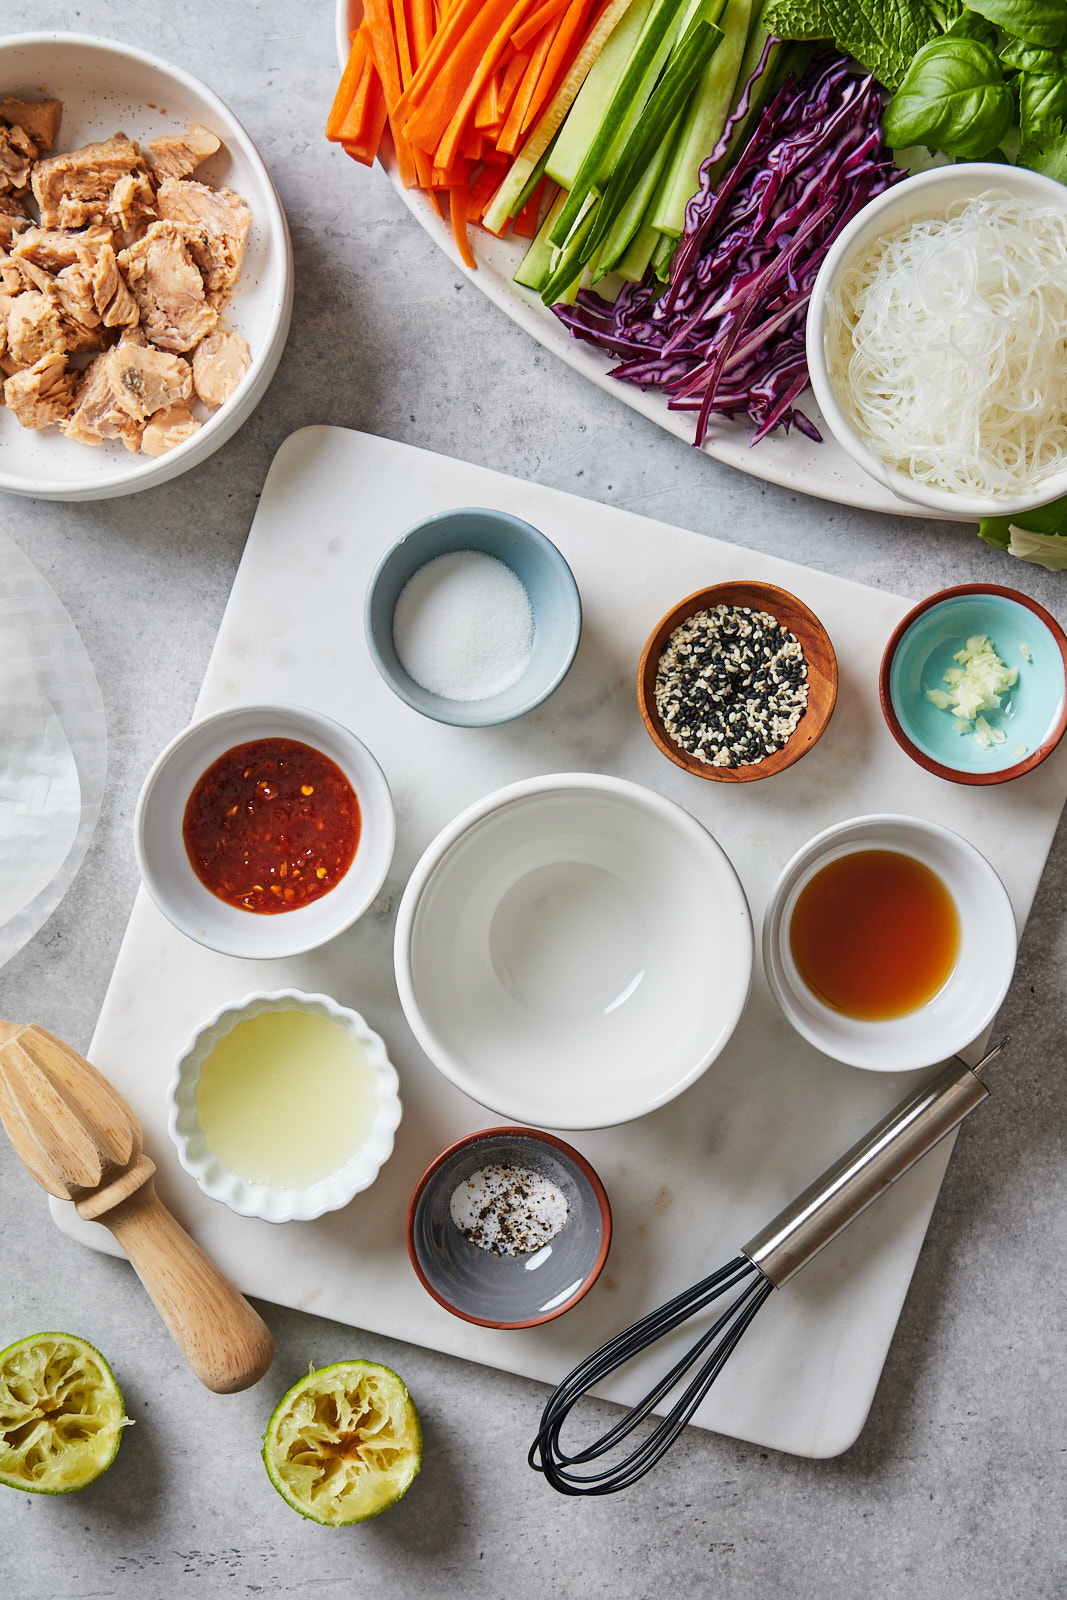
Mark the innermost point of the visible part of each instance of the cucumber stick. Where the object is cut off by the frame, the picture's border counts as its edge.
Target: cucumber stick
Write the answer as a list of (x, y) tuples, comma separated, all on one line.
[(629, 218), (536, 264), (706, 118), (632, 91), (668, 101), (517, 182), (594, 97)]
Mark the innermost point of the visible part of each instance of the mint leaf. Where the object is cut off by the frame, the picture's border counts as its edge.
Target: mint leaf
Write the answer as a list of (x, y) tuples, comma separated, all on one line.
[(882, 35)]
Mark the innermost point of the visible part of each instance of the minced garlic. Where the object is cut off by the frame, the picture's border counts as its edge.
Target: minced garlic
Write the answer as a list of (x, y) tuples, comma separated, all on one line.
[(975, 686)]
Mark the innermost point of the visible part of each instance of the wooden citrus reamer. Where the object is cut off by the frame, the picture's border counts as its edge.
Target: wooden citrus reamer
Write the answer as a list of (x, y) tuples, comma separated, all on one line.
[(80, 1140)]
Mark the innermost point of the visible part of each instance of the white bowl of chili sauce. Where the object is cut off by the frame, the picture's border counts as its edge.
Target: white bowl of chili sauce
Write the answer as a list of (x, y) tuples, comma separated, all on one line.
[(263, 831)]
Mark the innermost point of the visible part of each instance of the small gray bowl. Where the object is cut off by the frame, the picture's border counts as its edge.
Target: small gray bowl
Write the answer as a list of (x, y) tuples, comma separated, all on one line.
[(509, 1291), (535, 561)]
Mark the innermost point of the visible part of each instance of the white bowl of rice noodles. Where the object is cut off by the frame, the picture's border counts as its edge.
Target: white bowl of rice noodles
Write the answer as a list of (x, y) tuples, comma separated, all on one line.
[(937, 339)]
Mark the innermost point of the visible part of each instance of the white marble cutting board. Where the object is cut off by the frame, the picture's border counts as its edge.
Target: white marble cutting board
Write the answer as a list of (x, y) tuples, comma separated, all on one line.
[(688, 1184)]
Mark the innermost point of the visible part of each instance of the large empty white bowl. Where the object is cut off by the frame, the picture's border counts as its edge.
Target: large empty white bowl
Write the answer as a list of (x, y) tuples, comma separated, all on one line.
[(573, 951), (106, 87), (967, 1001)]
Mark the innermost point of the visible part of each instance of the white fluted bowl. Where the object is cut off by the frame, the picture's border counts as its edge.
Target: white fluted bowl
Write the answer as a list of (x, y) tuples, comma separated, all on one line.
[(258, 1199)]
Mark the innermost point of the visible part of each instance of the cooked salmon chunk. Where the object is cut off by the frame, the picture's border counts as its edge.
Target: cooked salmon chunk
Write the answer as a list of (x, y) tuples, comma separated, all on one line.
[(219, 363), (114, 302), (167, 428), (77, 187), (123, 387), (216, 222), (43, 394), (168, 288), (176, 155), (100, 412), (17, 155), (34, 328), (39, 119), (93, 263)]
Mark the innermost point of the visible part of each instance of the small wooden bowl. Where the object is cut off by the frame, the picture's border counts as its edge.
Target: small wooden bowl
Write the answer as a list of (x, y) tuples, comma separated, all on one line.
[(818, 654)]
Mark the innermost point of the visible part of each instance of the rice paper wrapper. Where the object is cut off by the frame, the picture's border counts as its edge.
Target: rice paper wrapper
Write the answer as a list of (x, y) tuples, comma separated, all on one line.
[(52, 750)]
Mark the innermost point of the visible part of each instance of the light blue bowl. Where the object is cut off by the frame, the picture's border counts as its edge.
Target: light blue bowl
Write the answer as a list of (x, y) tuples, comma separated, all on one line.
[(1033, 715), (535, 561)]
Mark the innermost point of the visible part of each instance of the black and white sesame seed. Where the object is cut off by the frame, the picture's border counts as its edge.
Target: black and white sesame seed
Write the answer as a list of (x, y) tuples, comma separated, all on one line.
[(731, 686)]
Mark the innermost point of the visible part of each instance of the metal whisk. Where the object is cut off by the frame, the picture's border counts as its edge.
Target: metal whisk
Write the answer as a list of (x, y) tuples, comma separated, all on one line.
[(797, 1233)]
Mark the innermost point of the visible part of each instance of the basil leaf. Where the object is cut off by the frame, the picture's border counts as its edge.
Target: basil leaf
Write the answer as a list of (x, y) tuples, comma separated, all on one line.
[(1042, 99), (971, 26), (1035, 21), (945, 14), (883, 37), (1031, 57), (953, 98)]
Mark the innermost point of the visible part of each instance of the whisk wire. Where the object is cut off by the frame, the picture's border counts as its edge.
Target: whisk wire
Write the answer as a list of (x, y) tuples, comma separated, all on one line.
[(546, 1453)]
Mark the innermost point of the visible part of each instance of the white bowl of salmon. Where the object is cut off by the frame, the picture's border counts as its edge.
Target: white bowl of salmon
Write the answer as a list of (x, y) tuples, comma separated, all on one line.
[(146, 271)]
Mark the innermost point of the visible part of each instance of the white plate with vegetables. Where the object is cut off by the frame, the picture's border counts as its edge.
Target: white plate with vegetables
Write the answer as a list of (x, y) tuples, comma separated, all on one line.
[(792, 460), (962, 77)]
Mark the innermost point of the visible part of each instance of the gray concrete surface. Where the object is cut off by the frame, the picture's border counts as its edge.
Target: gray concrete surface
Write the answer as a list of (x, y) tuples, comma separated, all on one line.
[(955, 1488)]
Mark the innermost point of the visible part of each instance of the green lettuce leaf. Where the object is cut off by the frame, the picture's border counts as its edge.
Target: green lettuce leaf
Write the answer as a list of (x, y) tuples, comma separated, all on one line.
[(1039, 536), (882, 35)]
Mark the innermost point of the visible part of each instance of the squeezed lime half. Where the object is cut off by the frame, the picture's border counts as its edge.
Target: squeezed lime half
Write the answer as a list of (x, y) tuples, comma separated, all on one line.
[(61, 1414), (344, 1443)]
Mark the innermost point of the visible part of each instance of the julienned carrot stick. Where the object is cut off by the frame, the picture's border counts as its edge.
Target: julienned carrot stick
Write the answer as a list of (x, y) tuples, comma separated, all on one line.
[(487, 111), (450, 31), (363, 111), (511, 132), (482, 189), (439, 116), (539, 19), (573, 25), (378, 15), (364, 147), (513, 77), (451, 134), (457, 200), (346, 89)]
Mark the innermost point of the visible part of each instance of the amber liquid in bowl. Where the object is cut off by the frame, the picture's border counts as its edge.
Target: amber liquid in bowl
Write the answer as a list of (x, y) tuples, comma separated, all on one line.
[(875, 934)]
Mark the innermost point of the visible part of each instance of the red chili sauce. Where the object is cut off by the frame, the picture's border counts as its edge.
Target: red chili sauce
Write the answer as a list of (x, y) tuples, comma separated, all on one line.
[(271, 825)]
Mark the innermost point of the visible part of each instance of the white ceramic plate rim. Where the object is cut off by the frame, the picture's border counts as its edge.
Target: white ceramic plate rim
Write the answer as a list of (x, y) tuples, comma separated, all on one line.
[(881, 1037), (129, 475), (790, 460), (520, 1107), (259, 1199)]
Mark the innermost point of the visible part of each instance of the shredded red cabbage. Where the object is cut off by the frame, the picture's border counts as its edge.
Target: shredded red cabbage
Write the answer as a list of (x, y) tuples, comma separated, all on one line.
[(726, 337)]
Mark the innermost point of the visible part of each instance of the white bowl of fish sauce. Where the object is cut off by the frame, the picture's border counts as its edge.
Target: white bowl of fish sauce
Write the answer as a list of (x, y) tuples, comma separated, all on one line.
[(263, 831), (103, 86), (284, 1106), (889, 943)]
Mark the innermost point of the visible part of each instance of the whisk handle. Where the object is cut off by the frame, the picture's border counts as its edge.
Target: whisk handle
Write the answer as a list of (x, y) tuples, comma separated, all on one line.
[(863, 1173)]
